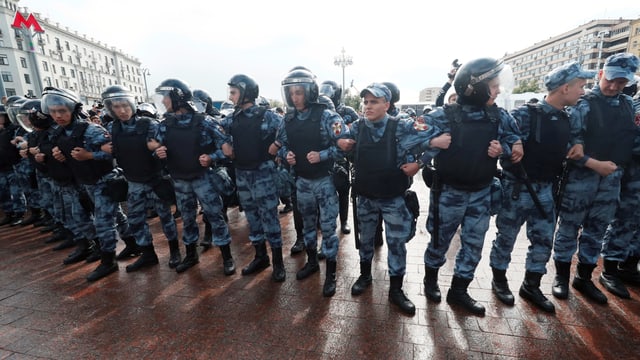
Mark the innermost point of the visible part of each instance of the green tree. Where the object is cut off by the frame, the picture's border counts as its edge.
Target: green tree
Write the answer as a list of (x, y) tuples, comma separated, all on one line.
[(354, 101), (527, 86)]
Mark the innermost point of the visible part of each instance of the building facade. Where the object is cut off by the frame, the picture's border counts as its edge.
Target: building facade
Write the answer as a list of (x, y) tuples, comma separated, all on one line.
[(36, 52), (589, 44)]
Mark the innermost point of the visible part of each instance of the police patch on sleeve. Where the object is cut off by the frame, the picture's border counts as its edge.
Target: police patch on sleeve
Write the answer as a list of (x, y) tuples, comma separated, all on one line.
[(419, 124), (337, 128)]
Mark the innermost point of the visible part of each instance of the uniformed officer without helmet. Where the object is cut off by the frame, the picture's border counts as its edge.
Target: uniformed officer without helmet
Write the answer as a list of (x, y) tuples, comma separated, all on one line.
[(378, 90), (565, 74)]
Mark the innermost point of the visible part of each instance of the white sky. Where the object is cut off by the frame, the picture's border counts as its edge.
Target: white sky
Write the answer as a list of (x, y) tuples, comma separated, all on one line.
[(408, 42)]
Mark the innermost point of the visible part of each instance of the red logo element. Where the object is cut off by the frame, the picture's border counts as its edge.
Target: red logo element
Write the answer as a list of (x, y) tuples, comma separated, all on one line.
[(19, 22), (337, 128), (419, 124)]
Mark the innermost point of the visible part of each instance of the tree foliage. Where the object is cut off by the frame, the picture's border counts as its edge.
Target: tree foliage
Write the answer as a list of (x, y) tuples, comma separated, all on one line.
[(527, 86)]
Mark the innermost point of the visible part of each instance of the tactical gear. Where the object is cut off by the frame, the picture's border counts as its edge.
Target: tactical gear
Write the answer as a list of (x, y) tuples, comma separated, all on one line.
[(131, 248), (189, 260), (500, 286), (83, 249), (530, 290), (582, 282), (229, 266), (311, 266), (332, 90), (174, 254), (107, 266), (178, 92), (611, 281), (279, 274), (364, 280), (458, 295), (397, 296), (628, 270), (148, 258), (117, 94), (560, 287), (300, 78), (471, 80), (329, 287), (248, 87), (298, 246), (430, 281), (259, 262)]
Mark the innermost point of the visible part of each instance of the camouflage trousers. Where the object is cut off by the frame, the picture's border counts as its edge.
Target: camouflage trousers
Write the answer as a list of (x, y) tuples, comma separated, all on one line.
[(259, 198), (513, 213), (397, 221), (470, 211), (589, 204), (140, 197), (317, 198)]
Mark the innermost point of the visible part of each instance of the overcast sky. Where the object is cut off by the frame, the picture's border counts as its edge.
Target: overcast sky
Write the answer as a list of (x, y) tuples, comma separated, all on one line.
[(408, 42)]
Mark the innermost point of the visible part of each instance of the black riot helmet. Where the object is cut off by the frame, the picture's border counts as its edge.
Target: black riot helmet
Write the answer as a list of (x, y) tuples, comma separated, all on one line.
[(202, 100), (333, 90), (248, 87), (300, 78), (324, 99), (52, 96), (30, 114), (471, 81), (115, 94), (395, 92), (179, 93), (410, 112)]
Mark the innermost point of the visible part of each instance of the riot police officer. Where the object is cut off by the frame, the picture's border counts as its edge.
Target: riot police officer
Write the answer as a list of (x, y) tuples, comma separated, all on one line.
[(307, 141), (189, 142), (471, 135), (253, 129), (129, 135)]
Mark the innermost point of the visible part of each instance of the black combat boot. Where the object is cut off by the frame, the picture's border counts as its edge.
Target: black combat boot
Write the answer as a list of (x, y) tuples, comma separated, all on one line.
[(190, 259), (431, 288), (311, 266), (17, 219), (582, 282), (44, 220), (500, 286), (279, 273), (397, 296), (530, 290), (227, 260), (298, 247), (259, 262), (7, 219), (458, 295), (560, 287), (628, 270), (146, 259), (58, 234), (364, 280), (83, 249), (107, 266), (329, 287), (130, 250), (35, 214), (96, 254), (67, 243), (344, 228), (611, 281), (174, 254)]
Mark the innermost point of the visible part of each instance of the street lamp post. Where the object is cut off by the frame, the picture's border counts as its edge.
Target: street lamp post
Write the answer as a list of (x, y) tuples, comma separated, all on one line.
[(601, 35), (145, 72), (343, 60)]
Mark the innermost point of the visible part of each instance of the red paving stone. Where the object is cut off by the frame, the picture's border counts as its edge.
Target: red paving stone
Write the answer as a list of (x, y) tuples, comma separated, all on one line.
[(48, 310)]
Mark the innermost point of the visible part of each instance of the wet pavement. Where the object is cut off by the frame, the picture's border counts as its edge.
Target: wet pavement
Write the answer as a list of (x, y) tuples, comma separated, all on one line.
[(49, 310)]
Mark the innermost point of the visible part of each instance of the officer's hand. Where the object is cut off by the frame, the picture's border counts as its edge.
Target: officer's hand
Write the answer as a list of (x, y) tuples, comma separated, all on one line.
[(205, 160), (161, 152), (313, 157), (495, 149), (16, 140), (81, 154), (108, 148), (227, 150), (34, 150), (23, 153), (576, 152), (153, 144), (410, 169), (291, 158), (603, 168), (39, 157), (58, 155), (346, 144), (517, 152), (273, 149), (441, 142)]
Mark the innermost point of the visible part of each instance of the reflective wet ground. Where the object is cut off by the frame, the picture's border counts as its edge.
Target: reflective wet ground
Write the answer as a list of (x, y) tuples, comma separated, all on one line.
[(48, 310)]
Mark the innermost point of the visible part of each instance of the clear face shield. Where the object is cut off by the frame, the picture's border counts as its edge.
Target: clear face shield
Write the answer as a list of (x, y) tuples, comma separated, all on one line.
[(159, 101), (12, 112), (295, 95), (327, 89), (24, 121), (120, 107), (200, 105)]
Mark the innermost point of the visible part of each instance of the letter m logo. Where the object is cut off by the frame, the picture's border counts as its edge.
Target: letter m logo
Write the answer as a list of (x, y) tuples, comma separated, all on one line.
[(30, 22)]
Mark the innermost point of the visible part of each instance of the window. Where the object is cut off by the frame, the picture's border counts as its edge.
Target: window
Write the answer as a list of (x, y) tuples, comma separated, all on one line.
[(7, 77), (31, 94), (47, 81), (4, 60), (66, 45), (45, 66), (27, 79), (63, 71), (73, 73), (10, 91), (53, 68), (23, 62)]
